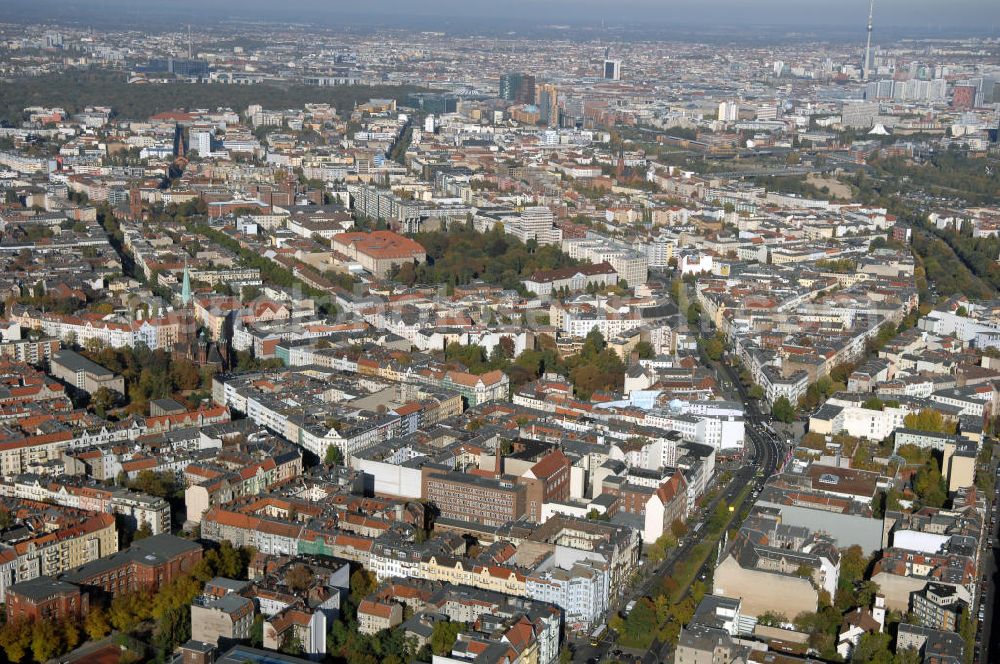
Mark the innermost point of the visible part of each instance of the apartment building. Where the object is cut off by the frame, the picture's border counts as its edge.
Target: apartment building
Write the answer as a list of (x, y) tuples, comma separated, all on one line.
[(222, 620), (136, 509)]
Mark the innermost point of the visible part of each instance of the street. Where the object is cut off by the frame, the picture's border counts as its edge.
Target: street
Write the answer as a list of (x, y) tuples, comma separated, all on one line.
[(766, 452), (988, 636)]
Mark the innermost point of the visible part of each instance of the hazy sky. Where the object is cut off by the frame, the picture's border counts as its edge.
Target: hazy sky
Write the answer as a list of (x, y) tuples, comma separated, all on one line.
[(892, 15)]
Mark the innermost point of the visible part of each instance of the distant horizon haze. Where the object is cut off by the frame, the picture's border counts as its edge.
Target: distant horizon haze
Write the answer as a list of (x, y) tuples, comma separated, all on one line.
[(892, 17)]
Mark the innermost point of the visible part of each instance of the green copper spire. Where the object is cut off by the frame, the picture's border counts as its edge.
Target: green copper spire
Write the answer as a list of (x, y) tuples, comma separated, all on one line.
[(186, 287)]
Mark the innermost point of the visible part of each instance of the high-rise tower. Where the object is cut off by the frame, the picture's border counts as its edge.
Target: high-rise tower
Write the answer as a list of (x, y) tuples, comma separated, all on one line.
[(866, 67), (186, 286), (612, 68)]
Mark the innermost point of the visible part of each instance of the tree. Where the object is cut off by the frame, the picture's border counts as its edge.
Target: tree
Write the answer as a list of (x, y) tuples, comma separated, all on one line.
[(714, 349), (644, 350), (70, 632), (694, 314), (161, 485), (362, 584), (658, 549), (104, 400), (929, 484), (232, 561), (772, 619), (257, 630), (128, 610), (291, 644), (853, 564), (15, 639), (44, 640), (444, 635), (676, 285), (333, 456), (173, 627), (142, 532), (250, 293), (783, 410), (967, 630), (929, 419), (96, 624), (184, 375), (804, 571), (640, 625), (505, 348), (472, 356), (873, 648), (593, 343), (865, 593)]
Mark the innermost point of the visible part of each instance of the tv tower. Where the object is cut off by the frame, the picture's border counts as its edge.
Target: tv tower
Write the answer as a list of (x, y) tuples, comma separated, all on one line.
[(868, 46)]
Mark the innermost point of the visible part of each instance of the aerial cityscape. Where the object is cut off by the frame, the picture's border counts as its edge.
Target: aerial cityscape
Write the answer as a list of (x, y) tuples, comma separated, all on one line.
[(516, 334)]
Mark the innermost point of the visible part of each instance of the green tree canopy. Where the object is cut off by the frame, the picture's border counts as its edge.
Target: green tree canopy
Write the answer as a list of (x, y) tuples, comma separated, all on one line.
[(783, 410)]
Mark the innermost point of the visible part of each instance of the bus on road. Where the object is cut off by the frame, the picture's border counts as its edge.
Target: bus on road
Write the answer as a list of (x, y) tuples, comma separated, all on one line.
[(598, 634)]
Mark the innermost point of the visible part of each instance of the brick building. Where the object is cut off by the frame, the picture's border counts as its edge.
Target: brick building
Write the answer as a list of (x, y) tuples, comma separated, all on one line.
[(146, 565), (483, 500), (546, 481), (45, 598)]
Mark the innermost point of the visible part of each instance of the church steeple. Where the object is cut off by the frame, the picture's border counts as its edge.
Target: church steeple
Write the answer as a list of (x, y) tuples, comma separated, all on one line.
[(186, 286)]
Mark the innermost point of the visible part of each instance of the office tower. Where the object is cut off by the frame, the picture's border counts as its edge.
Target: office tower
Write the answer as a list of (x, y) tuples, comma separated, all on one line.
[(729, 111), (434, 102), (175, 66), (189, 67), (548, 104), (990, 91), (508, 85), (866, 67), (201, 140), (518, 87), (767, 112), (537, 220), (535, 223), (883, 89), (613, 70)]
